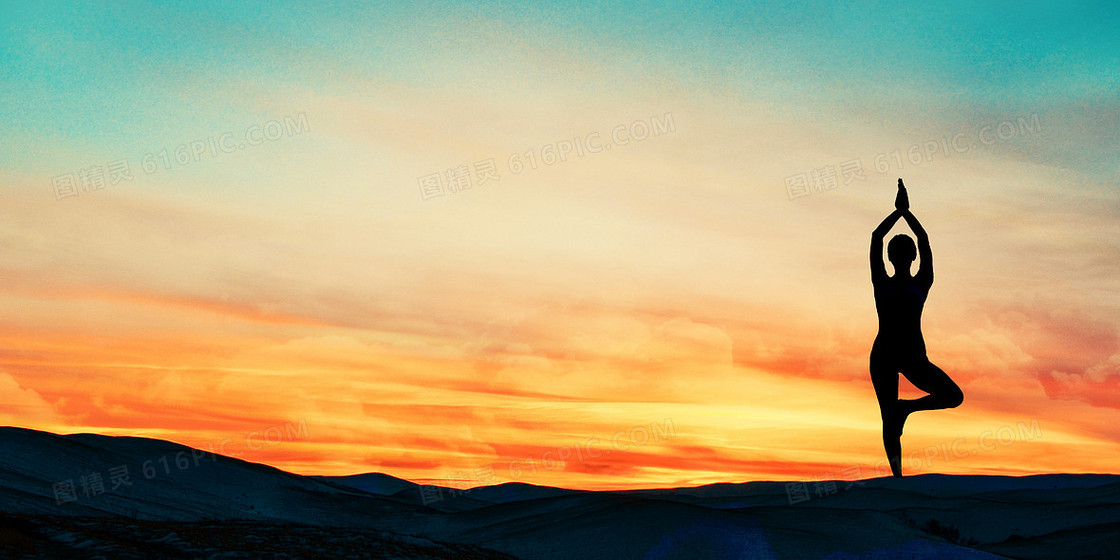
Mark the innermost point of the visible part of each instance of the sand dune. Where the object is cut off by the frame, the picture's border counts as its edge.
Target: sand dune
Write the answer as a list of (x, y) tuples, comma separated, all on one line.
[(69, 496)]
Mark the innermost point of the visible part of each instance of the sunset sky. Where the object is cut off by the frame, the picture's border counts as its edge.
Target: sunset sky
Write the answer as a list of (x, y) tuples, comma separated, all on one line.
[(249, 228)]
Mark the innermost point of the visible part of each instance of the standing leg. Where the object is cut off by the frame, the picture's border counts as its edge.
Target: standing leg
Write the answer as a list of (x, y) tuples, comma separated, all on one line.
[(885, 380)]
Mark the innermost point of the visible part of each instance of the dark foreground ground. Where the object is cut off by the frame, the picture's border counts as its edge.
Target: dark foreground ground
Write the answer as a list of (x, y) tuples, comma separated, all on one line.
[(90, 496), (34, 537)]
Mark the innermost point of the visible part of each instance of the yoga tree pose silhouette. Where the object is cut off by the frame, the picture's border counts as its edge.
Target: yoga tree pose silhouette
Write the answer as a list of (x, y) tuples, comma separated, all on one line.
[(899, 347)]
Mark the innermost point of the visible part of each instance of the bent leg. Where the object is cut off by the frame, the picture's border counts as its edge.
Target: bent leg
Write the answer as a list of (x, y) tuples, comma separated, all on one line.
[(943, 392)]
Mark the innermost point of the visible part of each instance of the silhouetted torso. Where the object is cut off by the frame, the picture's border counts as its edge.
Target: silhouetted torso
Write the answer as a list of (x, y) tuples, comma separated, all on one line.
[(899, 302)]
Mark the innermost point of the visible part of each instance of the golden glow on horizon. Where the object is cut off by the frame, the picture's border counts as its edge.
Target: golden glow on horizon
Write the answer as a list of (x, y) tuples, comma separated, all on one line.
[(326, 400)]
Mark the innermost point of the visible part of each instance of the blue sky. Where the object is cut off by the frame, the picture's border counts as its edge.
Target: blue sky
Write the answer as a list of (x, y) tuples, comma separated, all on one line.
[(666, 275)]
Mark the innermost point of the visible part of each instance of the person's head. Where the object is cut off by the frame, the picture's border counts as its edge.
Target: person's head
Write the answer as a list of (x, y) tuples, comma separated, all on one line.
[(901, 251)]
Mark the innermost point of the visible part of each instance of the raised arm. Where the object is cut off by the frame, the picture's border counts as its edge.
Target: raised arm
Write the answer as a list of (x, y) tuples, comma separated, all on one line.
[(878, 270), (925, 267)]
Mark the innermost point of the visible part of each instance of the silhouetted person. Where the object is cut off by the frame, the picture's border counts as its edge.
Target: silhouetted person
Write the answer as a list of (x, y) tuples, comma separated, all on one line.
[(899, 347)]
